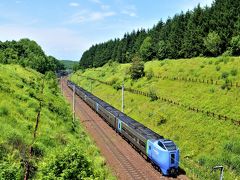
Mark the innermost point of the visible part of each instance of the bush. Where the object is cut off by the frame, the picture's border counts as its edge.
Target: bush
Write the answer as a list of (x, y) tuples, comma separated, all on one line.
[(226, 85), (70, 164), (4, 111), (153, 95), (162, 120), (234, 72), (225, 75), (218, 68), (149, 74)]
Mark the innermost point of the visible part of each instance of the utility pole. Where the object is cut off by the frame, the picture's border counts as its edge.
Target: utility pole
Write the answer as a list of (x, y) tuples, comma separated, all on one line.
[(221, 171), (73, 103), (123, 97), (91, 85), (61, 84)]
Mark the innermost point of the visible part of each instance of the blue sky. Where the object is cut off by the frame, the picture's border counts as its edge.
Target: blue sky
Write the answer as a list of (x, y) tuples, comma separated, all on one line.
[(66, 28)]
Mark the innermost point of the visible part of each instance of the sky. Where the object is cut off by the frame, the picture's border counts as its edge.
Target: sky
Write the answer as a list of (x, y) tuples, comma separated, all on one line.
[(67, 28)]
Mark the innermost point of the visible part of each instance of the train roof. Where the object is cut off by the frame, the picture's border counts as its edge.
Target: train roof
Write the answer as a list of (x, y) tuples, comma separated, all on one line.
[(138, 127)]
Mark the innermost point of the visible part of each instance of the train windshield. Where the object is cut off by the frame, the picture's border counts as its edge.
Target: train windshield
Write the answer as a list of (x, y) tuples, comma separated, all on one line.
[(170, 146)]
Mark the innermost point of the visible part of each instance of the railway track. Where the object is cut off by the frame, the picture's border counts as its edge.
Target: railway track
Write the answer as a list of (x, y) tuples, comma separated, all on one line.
[(124, 160)]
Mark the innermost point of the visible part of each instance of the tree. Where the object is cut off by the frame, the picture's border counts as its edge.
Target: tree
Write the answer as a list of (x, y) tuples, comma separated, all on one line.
[(146, 49), (137, 68), (212, 43), (235, 45), (162, 50)]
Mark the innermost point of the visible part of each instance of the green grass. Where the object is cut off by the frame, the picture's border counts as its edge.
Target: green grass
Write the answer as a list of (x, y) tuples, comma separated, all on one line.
[(203, 141), (62, 148)]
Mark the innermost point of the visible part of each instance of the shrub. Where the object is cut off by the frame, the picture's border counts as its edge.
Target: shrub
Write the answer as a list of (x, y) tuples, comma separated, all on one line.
[(201, 161), (9, 170), (212, 90), (218, 68), (226, 85), (117, 86), (70, 164), (149, 74), (234, 72), (225, 75), (37, 150), (153, 95), (4, 111), (137, 68), (162, 120)]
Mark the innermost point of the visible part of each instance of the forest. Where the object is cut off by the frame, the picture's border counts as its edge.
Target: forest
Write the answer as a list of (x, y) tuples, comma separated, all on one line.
[(28, 54), (203, 31)]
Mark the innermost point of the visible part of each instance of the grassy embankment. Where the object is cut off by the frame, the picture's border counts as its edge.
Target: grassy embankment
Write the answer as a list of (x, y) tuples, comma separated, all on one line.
[(204, 141), (61, 148)]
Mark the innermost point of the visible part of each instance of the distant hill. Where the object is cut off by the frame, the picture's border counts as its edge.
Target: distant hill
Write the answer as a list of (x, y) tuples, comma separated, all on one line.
[(68, 64)]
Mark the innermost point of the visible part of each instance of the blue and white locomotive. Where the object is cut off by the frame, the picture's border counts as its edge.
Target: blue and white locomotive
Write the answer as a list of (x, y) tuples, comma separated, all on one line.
[(160, 151)]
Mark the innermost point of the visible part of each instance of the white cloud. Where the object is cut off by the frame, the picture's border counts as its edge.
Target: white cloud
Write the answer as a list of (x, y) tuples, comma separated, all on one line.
[(87, 16), (96, 1), (105, 7), (59, 42), (132, 14), (73, 4), (130, 11)]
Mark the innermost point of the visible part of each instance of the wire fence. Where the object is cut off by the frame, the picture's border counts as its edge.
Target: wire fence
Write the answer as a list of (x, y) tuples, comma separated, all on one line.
[(198, 80), (173, 102)]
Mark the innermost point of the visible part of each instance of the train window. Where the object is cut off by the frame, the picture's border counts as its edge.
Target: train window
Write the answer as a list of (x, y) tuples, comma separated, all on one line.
[(172, 158), (161, 145), (170, 146), (149, 147)]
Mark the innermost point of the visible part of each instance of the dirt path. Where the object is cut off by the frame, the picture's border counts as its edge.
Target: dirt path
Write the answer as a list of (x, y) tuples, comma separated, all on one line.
[(124, 161)]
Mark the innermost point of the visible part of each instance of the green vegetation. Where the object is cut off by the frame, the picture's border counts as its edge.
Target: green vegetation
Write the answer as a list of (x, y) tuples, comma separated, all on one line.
[(70, 65), (28, 54), (203, 141), (61, 148), (208, 31)]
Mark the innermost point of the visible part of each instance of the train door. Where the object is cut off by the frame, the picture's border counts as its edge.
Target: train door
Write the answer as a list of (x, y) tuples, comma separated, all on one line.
[(149, 149), (119, 127)]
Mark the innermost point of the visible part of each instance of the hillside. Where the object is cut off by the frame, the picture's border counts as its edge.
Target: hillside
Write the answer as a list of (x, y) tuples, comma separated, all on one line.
[(198, 107), (69, 64), (28, 53), (37, 132)]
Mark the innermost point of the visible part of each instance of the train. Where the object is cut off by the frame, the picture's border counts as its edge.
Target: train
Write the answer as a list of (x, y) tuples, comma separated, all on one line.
[(163, 153)]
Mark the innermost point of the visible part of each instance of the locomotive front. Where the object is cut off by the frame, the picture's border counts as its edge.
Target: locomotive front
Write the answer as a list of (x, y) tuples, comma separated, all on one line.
[(165, 154)]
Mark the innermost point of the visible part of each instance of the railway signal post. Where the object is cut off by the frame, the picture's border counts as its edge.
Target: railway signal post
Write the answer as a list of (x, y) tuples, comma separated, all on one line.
[(221, 170), (73, 103), (123, 97)]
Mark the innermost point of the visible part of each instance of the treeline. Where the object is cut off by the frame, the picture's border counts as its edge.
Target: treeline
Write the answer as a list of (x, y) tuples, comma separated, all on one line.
[(28, 53), (208, 31)]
